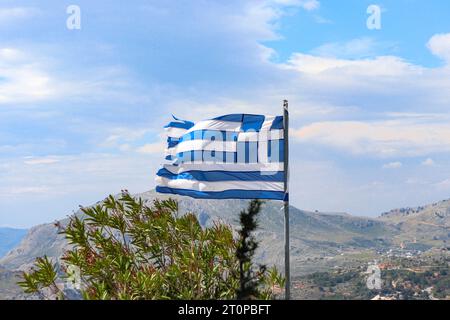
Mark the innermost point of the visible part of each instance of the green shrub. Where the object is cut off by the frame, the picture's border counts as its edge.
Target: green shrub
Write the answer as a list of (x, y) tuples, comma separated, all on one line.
[(125, 249)]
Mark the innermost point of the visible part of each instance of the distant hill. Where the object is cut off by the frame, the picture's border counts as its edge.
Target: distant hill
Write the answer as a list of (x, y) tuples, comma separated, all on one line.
[(9, 238), (313, 234), (427, 226), (319, 241)]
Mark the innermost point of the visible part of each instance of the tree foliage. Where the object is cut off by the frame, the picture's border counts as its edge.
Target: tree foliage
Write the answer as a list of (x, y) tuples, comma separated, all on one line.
[(247, 245), (125, 249)]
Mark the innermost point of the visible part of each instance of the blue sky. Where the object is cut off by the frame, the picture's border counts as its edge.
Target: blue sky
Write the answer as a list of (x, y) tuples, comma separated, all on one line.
[(81, 111)]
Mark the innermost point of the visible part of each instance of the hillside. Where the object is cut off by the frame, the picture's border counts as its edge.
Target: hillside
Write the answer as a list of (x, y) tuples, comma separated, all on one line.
[(427, 226), (9, 238), (40, 240), (425, 276), (320, 242), (313, 235)]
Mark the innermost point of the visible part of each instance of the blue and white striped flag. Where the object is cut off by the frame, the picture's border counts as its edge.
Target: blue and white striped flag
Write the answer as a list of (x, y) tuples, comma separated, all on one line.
[(238, 156)]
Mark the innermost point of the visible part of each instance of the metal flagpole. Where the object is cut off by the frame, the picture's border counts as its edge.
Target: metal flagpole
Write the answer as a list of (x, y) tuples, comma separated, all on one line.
[(286, 200)]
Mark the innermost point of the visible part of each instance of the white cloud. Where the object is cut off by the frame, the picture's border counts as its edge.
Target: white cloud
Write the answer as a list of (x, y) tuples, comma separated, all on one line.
[(10, 55), (322, 20), (23, 78), (257, 21), (124, 139), (15, 191), (341, 95), (78, 174), (29, 78), (152, 148), (367, 89), (384, 106), (379, 138), (32, 194), (125, 147), (439, 45), (254, 18), (393, 165), (310, 4), (428, 162), (356, 48), (118, 136), (7, 15), (377, 84), (371, 68), (305, 4), (444, 184), (41, 161)]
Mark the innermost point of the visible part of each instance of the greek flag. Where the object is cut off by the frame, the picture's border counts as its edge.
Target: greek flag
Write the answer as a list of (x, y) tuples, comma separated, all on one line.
[(237, 156)]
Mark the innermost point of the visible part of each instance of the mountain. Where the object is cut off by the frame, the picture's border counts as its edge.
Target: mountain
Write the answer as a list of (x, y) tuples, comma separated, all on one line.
[(9, 238), (319, 241), (426, 226), (313, 234)]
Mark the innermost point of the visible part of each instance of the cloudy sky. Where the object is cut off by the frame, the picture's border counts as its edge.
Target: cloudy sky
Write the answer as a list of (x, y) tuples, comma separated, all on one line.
[(81, 111)]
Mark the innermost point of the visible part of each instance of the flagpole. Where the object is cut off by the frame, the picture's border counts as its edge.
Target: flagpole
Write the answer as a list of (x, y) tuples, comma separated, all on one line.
[(287, 268)]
